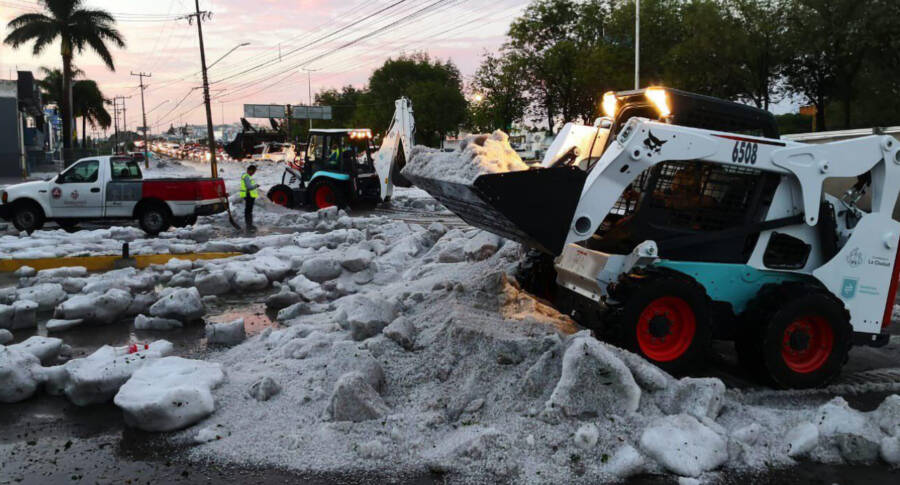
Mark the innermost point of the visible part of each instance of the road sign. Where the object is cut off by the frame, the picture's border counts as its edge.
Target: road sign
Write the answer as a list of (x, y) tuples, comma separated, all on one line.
[(264, 111), (311, 112), (280, 110)]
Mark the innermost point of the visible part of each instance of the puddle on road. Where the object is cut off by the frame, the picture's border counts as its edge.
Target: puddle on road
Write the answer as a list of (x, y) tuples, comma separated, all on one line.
[(189, 341), (256, 319)]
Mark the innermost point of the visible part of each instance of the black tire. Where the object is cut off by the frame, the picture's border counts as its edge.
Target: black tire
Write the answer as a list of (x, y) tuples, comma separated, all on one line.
[(325, 193), (664, 318), (28, 216), (536, 274), (68, 225), (281, 195), (154, 219), (794, 335)]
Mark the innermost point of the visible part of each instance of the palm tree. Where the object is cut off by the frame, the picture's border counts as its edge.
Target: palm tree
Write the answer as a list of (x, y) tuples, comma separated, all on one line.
[(87, 100), (89, 105), (51, 84), (77, 28)]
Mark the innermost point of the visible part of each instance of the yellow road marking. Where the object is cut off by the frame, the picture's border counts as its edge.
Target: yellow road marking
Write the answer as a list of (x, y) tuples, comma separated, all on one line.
[(102, 263)]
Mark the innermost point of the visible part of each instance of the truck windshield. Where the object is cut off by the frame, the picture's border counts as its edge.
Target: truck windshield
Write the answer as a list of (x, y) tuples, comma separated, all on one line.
[(124, 169), (82, 172)]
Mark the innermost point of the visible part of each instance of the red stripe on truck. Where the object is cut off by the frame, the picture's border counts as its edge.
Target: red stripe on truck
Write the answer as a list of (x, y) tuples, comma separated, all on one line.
[(892, 292), (184, 190)]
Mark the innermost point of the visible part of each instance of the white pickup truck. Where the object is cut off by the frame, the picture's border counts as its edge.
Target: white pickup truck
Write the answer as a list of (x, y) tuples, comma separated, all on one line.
[(109, 188)]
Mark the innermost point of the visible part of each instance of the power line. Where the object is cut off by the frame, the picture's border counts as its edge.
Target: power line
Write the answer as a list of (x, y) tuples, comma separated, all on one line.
[(363, 37), (258, 66)]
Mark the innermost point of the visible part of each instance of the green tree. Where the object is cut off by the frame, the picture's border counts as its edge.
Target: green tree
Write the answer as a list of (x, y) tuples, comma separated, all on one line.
[(712, 60), (761, 39), (77, 28), (498, 91), (829, 40), (532, 41), (344, 103), (434, 87)]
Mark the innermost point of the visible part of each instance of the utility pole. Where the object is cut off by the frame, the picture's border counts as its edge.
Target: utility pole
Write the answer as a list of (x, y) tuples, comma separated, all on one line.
[(116, 123), (211, 138), (637, 44), (141, 75), (125, 122)]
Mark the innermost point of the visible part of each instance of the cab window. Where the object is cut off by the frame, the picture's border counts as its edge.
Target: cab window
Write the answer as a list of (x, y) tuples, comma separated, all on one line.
[(314, 151), (124, 169), (80, 173)]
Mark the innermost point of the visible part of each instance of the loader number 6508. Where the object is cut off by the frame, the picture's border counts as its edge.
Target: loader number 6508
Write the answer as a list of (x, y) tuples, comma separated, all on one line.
[(744, 152)]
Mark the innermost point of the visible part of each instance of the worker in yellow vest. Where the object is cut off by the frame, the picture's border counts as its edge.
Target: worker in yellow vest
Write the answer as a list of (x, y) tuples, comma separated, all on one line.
[(249, 192)]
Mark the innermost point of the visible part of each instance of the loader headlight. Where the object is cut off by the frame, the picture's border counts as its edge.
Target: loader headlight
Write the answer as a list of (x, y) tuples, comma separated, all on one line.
[(610, 104), (660, 100)]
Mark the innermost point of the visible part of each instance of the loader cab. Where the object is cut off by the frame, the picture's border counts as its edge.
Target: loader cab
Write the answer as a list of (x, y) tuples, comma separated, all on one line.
[(665, 105), (682, 108)]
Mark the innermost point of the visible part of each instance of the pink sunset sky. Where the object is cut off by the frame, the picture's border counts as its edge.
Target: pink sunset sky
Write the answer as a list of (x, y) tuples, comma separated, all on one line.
[(460, 30)]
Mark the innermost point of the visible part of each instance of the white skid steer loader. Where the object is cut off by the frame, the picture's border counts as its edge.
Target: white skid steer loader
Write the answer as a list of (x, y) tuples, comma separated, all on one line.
[(680, 218)]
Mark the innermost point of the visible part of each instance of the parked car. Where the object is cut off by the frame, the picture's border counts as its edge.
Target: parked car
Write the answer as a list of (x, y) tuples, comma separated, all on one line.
[(111, 188)]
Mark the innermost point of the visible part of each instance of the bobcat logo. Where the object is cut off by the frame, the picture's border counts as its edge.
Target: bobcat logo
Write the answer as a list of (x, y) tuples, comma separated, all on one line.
[(855, 258), (654, 143)]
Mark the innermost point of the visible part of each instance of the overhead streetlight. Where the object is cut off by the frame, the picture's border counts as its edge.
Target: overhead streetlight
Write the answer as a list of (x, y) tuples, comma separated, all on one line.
[(226, 54)]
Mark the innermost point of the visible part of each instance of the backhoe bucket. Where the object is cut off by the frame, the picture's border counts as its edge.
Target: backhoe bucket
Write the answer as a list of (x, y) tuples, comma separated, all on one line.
[(534, 207)]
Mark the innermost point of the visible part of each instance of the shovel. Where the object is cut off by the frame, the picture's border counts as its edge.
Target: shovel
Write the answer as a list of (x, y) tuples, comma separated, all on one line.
[(231, 220)]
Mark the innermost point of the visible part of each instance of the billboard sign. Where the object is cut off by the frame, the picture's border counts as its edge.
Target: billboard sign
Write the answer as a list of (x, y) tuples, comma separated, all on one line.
[(280, 111), (264, 111), (311, 112)]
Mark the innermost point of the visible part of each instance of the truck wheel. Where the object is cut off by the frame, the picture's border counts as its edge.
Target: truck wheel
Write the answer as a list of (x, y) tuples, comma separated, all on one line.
[(665, 319), (325, 193), (281, 195), (795, 336), (154, 219), (28, 217)]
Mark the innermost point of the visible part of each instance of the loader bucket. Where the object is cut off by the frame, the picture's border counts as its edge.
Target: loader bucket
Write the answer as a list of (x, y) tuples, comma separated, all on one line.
[(534, 207)]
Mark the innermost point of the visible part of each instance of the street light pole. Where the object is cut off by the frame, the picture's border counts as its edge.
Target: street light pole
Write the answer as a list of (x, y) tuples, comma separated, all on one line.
[(309, 89), (637, 44)]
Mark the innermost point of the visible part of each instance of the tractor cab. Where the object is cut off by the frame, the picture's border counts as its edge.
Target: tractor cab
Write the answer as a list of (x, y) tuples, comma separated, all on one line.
[(337, 169), (341, 166)]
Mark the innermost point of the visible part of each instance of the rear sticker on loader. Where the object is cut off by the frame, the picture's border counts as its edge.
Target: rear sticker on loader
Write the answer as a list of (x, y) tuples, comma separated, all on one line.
[(868, 290), (848, 288), (855, 258)]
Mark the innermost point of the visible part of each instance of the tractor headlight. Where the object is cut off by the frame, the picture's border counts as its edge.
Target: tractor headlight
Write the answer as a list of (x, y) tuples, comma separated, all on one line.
[(610, 104), (660, 100)]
